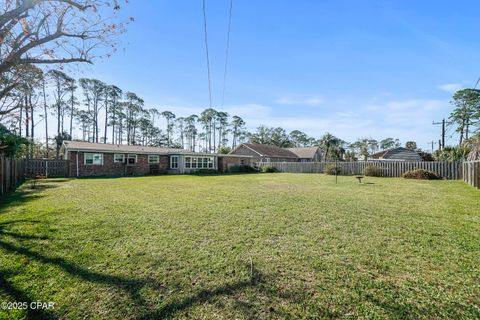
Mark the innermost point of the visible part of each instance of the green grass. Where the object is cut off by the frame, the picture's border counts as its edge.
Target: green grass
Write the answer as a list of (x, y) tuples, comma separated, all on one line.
[(242, 246)]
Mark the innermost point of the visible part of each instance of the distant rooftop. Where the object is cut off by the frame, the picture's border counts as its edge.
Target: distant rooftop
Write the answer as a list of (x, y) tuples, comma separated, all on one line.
[(304, 152)]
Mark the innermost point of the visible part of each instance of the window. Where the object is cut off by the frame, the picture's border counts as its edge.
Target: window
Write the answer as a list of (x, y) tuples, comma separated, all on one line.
[(153, 158), (199, 163), (118, 158), (94, 159), (132, 158), (267, 160), (242, 161), (174, 162)]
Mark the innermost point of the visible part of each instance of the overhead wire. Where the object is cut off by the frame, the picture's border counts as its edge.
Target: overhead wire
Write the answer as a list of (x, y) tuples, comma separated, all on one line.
[(206, 50), (227, 52)]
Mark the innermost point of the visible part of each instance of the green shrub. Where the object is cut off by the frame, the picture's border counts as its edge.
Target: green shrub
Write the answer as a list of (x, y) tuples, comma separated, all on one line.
[(421, 174), (205, 171), (270, 169), (331, 169), (373, 171), (242, 169)]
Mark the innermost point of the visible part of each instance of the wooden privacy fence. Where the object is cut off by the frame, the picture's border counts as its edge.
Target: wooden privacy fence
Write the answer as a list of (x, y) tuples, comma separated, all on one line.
[(47, 168), (11, 173), (446, 169), (471, 173)]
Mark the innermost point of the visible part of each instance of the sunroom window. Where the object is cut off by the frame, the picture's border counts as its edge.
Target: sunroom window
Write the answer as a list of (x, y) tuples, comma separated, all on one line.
[(174, 162)]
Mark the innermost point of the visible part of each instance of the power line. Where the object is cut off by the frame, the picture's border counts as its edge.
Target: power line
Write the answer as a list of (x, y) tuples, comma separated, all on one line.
[(226, 52), (206, 50)]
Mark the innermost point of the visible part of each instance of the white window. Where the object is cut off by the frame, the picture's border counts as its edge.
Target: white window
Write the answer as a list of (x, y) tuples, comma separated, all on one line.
[(267, 160), (118, 158), (132, 158), (94, 159), (199, 163), (174, 162), (153, 158)]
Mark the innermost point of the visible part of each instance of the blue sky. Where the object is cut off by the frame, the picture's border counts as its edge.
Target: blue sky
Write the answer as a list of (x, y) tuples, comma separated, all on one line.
[(353, 68)]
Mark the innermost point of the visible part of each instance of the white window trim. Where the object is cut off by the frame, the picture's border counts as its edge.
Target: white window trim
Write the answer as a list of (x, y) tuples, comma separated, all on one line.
[(177, 162), (202, 162), (93, 154), (130, 156), (157, 160), (118, 154)]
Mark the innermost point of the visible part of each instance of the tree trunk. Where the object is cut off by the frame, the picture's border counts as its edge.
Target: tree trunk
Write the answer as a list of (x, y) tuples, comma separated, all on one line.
[(46, 119)]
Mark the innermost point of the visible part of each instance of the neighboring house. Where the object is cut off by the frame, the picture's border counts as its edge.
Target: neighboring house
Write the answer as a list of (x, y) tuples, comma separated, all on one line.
[(397, 154), (264, 153), (99, 159), (307, 154)]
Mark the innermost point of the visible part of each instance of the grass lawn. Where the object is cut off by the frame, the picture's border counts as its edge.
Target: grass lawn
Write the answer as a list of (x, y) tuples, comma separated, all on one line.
[(242, 246)]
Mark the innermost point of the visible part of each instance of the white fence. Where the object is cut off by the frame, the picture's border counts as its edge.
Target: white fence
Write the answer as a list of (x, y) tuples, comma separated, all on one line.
[(446, 169)]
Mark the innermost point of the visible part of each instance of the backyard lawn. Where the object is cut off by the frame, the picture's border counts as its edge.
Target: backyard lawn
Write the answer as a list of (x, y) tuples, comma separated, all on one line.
[(242, 246)]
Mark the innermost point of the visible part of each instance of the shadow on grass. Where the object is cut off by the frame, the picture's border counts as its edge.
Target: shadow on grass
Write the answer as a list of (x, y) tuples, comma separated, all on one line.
[(131, 286), (29, 192)]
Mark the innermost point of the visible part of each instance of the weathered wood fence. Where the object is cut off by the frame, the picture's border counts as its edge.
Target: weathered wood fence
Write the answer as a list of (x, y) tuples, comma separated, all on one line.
[(11, 173), (471, 173), (47, 168), (446, 169)]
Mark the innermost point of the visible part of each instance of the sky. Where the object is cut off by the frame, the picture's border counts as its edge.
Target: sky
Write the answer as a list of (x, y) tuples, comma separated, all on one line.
[(352, 68)]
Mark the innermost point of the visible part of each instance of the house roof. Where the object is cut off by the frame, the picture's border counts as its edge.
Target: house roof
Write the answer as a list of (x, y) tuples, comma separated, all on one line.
[(304, 153), (120, 148), (397, 154), (269, 151)]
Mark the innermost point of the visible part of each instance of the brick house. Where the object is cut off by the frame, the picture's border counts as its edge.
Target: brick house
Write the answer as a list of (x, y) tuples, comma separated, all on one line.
[(269, 153), (99, 159)]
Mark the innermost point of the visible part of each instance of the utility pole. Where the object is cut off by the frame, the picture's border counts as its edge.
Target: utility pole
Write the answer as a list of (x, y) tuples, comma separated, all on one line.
[(433, 143), (442, 143)]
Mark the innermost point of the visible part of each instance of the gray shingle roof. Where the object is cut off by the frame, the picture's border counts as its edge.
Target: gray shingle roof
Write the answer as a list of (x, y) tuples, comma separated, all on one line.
[(120, 148), (270, 151), (304, 153), (397, 154)]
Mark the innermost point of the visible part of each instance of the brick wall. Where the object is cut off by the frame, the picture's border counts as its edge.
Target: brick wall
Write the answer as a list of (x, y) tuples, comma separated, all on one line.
[(109, 168), (244, 151), (224, 163)]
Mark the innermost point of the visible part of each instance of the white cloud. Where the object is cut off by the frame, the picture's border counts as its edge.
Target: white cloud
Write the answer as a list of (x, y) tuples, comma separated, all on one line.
[(312, 101), (450, 87)]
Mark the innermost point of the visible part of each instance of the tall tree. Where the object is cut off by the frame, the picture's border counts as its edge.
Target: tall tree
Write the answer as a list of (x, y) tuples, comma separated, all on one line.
[(237, 126), (52, 32), (412, 145), (191, 131), (134, 106), (466, 112), (73, 103), (169, 116), (61, 84), (389, 143), (115, 94), (94, 91)]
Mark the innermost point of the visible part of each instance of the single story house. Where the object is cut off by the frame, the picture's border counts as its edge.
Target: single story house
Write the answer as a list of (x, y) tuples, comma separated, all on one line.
[(397, 154), (103, 159), (307, 154), (264, 153)]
